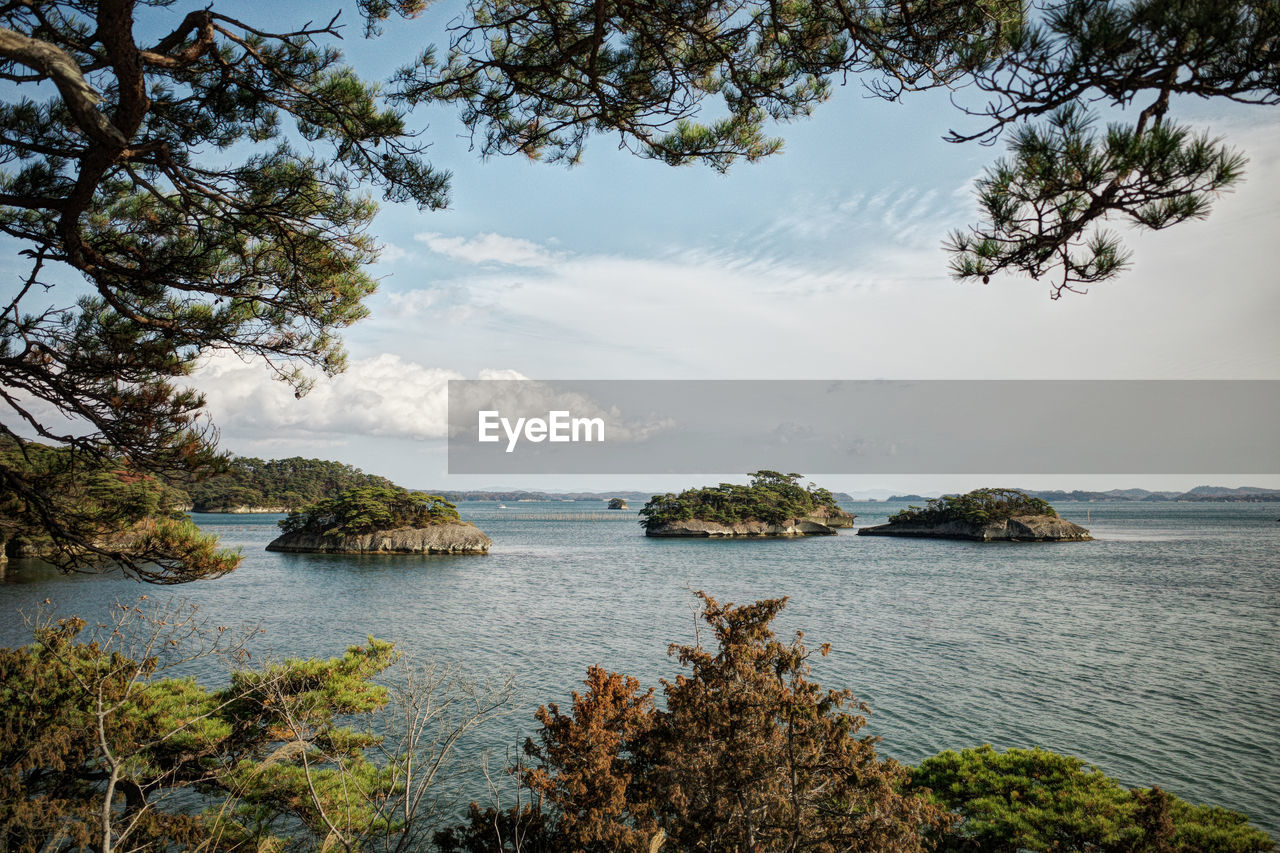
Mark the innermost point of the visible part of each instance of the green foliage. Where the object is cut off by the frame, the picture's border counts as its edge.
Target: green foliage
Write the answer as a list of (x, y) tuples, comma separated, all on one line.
[(154, 183), (1032, 799), (745, 753), (77, 511), (369, 508), (273, 760), (977, 507), (292, 483), (772, 498), (1060, 177), (1043, 205), (538, 78)]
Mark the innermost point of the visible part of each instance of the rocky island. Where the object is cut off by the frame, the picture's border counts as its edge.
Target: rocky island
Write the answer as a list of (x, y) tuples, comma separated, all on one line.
[(618, 503), (774, 505), (983, 515), (379, 520)]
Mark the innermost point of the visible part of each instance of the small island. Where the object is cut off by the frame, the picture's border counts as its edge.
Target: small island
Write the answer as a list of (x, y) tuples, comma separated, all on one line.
[(618, 503), (379, 520), (248, 484), (774, 505), (983, 515)]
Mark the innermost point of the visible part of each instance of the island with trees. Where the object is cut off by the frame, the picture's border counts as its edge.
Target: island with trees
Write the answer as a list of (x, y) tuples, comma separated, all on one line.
[(379, 520), (774, 504), (250, 484), (126, 517), (983, 515), (142, 255)]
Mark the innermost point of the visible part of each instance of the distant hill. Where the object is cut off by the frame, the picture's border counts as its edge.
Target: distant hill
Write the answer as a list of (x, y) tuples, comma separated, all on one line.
[(1218, 493), (280, 484), (1199, 493), (275, 484)]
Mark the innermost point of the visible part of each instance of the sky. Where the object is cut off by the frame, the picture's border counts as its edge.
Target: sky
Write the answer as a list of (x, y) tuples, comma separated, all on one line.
[(822, 262)]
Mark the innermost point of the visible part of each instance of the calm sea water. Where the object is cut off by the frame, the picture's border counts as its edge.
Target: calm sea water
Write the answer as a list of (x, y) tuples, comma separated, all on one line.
[(1153, 652)]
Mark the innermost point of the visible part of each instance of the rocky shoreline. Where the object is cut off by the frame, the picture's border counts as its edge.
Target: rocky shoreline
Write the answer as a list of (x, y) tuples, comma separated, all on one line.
[(453, 538), (1019, 528), (825, 523)]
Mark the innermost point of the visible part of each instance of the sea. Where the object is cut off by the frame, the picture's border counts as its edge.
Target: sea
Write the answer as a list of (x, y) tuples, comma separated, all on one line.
[(1152, 652)]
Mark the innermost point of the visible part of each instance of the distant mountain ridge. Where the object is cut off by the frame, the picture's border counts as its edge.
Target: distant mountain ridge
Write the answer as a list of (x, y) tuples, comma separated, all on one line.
[(1202, 494), (277, 484)]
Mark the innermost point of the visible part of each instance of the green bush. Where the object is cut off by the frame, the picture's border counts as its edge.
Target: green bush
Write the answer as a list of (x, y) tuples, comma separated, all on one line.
[(369, 508), (977, 507), (772, 498), (1036, 800)]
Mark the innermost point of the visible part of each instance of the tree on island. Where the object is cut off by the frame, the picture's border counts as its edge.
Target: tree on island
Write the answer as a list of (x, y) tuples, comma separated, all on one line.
[(118, 509), (977, 507), (366, 509), (771, 497), (160, 166)]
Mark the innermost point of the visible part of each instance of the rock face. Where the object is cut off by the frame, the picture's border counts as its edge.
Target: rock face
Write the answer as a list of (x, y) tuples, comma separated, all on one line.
[(1019, 528), (618, 503), (815, 525), (832, 517), (455, 538)]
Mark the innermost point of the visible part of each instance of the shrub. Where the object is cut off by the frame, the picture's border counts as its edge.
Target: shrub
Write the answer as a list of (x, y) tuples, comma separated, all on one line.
[(368, 508), (1036, 800), (772, 498), (977, 507)]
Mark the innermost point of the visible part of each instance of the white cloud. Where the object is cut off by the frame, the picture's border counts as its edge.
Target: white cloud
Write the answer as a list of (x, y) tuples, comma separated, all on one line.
[(385, 397), (390, 253), (454, 302), (830, 226), (877, 301), (380, 396), (489, 249)]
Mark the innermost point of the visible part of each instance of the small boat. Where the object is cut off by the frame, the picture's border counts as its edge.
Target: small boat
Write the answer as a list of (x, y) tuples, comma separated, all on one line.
[(502, 506)]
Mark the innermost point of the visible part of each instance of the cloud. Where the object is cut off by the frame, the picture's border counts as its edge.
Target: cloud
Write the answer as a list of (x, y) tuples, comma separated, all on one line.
[(879, 303), (452, 301), (489, 249), (390, 253), (831, 226), (385, 396), (380, 396)]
